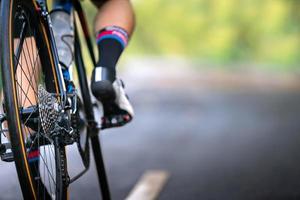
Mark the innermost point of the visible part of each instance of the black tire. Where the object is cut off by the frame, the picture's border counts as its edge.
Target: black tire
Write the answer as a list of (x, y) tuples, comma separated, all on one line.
[(30, 44)]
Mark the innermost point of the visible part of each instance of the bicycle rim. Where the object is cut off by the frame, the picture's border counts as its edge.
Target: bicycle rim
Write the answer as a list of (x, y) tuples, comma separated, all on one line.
[(27, 63)]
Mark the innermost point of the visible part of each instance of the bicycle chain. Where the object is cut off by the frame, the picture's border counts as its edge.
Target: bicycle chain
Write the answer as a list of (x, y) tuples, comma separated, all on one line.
[(75, 124), (49, 112), (64, 170)]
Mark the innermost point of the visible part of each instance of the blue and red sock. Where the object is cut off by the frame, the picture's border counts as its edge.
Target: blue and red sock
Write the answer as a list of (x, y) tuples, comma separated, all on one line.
[(111, 42), (33, 156), (113, 33)]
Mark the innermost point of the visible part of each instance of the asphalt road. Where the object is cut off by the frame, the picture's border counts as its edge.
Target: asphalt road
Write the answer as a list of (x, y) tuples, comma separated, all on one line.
[(227, 144)]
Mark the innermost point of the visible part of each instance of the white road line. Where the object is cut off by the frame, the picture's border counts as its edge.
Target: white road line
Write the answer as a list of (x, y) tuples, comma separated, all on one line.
[(149, 185)]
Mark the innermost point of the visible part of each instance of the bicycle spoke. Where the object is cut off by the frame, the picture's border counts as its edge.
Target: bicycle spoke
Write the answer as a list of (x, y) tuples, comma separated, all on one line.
[(21, 67), (48, 177), (28, 76), (22, 38), (50, 185), (25, 94), (47, 166), (31, 84), (28, 79)]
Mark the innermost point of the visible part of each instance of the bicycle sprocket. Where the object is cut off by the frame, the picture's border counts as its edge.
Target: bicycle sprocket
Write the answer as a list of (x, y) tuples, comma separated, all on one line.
[(49, 110)]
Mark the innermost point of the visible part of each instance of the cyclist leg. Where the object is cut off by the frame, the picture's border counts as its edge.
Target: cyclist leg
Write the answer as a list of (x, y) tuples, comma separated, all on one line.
[(114, 13), (114, 24)]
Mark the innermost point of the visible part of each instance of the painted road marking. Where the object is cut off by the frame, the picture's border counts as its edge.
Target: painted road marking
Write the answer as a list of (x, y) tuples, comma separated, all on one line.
[(149, 186)]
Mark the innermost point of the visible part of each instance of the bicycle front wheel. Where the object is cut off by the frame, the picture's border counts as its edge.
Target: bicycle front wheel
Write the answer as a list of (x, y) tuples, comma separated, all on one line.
[(27, 64)]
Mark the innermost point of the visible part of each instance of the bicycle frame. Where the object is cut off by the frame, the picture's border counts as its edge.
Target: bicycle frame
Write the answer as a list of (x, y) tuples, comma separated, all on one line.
[(92, 127), (96, 146), (43, 9)]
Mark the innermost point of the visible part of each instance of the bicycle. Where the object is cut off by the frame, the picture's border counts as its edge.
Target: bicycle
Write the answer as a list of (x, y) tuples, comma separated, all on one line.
[(40, 117)]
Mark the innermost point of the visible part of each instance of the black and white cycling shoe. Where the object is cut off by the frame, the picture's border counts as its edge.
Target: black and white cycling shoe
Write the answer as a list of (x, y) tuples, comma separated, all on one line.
[(110, 92)]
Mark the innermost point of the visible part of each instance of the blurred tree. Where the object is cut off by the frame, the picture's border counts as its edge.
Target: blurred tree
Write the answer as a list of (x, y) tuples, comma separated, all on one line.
[(224, 31), (216, 30)]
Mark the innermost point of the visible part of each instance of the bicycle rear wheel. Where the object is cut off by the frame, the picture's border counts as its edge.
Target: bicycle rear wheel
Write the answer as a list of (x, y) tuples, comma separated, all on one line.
[(27, 63)]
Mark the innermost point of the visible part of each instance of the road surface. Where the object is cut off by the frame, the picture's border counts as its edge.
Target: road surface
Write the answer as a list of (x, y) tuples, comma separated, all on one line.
[(217, 143)]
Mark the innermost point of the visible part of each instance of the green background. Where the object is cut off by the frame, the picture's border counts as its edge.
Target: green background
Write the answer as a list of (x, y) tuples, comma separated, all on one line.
[(218, 31)]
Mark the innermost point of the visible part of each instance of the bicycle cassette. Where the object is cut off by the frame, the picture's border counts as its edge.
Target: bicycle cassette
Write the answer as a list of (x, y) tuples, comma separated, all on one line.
[(49, 110)]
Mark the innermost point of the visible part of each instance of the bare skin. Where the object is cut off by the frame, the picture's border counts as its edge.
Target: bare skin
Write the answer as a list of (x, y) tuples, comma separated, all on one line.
[(27, 73), (115, 13), (27, 76)]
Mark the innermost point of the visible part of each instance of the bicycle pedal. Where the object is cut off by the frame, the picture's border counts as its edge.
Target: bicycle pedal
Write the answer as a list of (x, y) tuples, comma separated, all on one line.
[(96, 105), (2, 118), (2, 149), (114, 121), (7, 157)]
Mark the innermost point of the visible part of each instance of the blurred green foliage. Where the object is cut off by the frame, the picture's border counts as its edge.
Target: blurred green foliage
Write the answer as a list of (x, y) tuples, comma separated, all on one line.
[(255, 31), (219, 31), (265, 31)]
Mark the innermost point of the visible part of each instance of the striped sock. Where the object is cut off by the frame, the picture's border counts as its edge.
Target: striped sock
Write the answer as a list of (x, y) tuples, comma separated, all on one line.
[(33, 156), (114, 33), (111, 42)]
